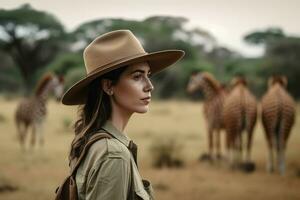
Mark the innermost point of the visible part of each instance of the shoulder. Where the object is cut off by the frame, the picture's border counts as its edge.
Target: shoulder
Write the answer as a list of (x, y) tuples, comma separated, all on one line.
[(109, 148), (96, 153), (117, 149), (102, 150)]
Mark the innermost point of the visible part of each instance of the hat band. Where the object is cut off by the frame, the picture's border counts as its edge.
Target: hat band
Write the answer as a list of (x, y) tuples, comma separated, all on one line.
[(104, 67)]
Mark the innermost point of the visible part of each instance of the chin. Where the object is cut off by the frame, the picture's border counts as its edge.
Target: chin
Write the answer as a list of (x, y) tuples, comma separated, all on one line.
[(142, 110)]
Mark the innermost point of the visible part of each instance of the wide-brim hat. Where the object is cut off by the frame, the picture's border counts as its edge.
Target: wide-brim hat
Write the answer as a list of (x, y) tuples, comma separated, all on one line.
[(111, 51)]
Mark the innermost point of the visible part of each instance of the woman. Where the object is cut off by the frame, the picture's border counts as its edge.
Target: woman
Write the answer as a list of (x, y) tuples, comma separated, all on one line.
[(116, 86)]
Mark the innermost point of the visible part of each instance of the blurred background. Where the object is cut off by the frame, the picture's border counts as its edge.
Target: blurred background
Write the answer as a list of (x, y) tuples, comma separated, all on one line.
[(254, 39)]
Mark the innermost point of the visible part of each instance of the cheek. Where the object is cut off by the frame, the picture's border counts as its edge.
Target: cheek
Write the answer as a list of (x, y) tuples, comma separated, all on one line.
[(128, 90), (128, 95)]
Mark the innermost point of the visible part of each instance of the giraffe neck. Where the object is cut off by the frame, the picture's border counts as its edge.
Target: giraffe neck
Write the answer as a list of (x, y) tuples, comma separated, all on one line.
[(43, 96), (209, 91)]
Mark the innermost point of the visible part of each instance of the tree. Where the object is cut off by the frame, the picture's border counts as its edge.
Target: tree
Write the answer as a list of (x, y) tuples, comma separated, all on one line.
[(282, 55), (220, 57), (32, 38), (264, 37)]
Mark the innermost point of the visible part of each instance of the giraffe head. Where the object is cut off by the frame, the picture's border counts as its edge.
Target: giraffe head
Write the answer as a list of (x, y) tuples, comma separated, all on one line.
[(224, 87), (199, 81), (50, 83), (58, 86), (277, 79), (238, 80)]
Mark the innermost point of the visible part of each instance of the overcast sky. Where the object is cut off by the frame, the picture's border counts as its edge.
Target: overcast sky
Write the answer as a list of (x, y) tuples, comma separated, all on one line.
[(227, 20)]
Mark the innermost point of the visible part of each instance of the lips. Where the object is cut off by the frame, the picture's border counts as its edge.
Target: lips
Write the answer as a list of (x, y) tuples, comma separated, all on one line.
[(146, 98)]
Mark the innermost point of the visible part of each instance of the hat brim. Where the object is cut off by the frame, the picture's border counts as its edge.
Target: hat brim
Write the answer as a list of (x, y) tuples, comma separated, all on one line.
[(157, 61)]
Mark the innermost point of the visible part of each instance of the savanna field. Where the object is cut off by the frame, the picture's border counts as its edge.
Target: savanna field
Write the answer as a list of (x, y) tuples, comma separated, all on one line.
[(36, 173)]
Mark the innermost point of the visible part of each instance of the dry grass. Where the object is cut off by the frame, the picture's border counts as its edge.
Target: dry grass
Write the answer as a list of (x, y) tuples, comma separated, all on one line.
[(37, 173)]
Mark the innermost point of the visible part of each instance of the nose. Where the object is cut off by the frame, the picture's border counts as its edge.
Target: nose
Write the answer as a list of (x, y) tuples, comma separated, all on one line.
[(149, 87)]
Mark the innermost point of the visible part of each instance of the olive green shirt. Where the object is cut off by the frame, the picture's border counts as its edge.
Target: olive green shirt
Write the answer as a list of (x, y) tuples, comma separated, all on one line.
[(105, 173)]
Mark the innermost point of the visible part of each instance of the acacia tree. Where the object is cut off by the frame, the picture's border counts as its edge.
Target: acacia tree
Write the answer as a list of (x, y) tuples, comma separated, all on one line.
[(32, 38), (264, 37), (282, 55)]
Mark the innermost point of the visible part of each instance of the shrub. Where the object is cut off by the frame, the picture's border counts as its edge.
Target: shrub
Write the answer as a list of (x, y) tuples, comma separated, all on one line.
[(166, 152)]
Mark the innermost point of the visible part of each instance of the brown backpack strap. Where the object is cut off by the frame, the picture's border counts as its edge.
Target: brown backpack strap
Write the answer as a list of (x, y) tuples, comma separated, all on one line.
[(94, 138)]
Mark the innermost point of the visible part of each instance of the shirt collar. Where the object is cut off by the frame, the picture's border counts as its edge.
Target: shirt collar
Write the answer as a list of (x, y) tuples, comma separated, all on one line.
[(110, 128)]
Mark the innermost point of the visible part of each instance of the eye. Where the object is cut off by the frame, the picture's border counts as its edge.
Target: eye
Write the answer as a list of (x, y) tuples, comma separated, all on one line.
[(137, 76)]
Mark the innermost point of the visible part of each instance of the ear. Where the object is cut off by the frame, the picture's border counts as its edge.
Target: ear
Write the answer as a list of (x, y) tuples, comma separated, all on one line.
[(106, 85), (284, 80), (61, 78), (270, 81)]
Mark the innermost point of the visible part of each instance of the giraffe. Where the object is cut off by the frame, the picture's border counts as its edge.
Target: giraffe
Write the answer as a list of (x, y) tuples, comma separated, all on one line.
[(239, 114), (278, 117), (214, 95), (32, 111)]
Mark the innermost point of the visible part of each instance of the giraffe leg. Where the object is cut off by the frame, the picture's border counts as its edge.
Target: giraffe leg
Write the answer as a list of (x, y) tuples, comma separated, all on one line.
[(231, 142), (281, 161), (22, 137), (268, 124), (33, 136), (231, 151), (281, 149), (229, 145), (280, 156), (235, 150), (40, 132), (19, 132), (270, 163), (218, 147), (22, 131), (210, 142), (249, 144), (239, 147), (285, 131)]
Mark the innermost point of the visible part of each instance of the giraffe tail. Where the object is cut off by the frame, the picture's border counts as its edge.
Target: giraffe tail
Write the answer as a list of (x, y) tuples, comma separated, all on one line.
[(278, 129)]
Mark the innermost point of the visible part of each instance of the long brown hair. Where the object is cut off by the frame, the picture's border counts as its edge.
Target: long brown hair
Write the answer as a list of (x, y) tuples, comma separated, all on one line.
[(94, 113)]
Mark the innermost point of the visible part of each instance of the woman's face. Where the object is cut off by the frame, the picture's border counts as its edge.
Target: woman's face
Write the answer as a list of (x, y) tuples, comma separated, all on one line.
[(132, 92)]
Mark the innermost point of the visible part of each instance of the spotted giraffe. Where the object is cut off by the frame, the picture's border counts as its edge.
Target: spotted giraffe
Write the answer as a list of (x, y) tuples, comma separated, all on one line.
[(214, 95), (239, 114), (32, 111), (278, 116)]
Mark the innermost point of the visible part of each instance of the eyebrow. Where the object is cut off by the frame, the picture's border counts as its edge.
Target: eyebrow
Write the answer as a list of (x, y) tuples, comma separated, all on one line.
[(139, 70)]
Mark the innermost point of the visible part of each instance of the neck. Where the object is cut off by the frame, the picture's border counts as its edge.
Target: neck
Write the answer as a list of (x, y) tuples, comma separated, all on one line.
[(44, 94), (278, 85), (209, 92), (119, 117)]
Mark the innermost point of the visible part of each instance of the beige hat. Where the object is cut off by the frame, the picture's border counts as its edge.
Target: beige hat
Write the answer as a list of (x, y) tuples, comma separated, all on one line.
[(111, 51)]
